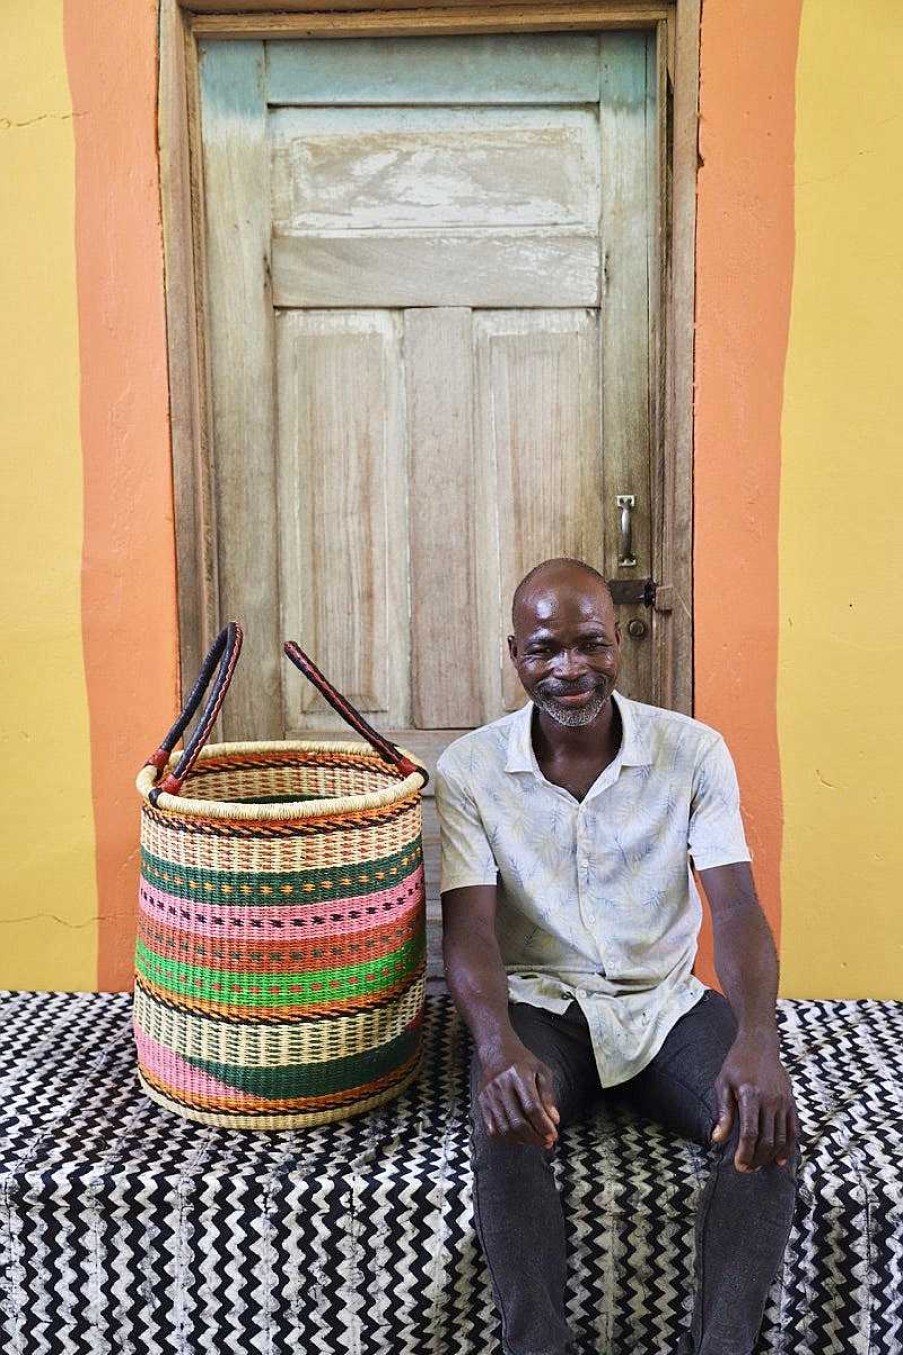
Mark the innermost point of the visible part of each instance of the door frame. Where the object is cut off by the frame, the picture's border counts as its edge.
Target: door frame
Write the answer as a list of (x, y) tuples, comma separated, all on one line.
[(182, 23)]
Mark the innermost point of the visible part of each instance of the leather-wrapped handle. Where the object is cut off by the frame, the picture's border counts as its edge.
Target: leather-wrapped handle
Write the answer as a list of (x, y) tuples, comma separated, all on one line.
[(220, 661), (350, 715)]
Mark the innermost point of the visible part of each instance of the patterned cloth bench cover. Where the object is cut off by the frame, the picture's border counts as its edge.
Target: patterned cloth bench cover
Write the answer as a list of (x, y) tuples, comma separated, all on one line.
[(126, 1229)]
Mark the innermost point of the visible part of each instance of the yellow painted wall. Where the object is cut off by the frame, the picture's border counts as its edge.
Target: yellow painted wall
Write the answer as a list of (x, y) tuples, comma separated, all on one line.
[(47, 888), (841, 530)]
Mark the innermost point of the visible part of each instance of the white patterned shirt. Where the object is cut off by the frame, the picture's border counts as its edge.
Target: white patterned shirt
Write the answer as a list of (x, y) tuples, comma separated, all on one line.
[(596, 899)]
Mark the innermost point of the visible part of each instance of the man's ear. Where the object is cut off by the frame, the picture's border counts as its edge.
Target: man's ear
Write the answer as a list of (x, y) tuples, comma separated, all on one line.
[(512, 648), (618, 633)]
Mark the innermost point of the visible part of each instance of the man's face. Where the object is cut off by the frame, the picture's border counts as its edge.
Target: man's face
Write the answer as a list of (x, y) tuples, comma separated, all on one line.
[(566, 648)]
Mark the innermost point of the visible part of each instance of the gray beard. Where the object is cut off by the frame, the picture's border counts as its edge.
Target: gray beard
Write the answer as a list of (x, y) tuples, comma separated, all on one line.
[(565, 715)]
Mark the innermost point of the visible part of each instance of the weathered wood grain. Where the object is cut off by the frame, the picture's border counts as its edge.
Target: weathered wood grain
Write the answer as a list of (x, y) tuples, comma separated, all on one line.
[(676, 681), (341, 494), (628, 219), (433, 168), (416, 71), (439, 388), (236, 186), (383, 270), (452, 268), (538, 418), (618, 13), (354, 19), (195, 526)]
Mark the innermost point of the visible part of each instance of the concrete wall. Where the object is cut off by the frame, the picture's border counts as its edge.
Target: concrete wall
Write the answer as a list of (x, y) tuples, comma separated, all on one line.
[(799, 638)]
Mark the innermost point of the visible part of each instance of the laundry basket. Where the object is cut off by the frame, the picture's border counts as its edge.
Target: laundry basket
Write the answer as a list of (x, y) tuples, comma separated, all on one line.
[(280, 956)]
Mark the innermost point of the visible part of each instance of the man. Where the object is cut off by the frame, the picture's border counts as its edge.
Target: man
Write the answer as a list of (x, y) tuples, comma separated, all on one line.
[(570, 928)]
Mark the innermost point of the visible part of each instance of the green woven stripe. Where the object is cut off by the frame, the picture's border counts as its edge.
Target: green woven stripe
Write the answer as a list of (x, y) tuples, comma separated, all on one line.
[(333, 984), (316, 1079), (297, 886)]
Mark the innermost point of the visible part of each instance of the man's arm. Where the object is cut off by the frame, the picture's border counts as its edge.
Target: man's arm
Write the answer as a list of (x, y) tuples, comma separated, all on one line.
[(752, 1077), (516, 1099)]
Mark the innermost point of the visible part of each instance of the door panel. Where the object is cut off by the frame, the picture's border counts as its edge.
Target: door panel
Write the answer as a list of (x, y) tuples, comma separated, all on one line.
[(561, 68), (397, 168), (538, 451), (341, 492), (384, 268), (630, 252), (431, 278), (447, 678), (240, 343), (430, 353)]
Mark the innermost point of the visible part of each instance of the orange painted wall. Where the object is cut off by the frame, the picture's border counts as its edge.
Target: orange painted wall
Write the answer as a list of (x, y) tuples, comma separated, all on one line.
[(745, 235), (744, 271), (129, 622)]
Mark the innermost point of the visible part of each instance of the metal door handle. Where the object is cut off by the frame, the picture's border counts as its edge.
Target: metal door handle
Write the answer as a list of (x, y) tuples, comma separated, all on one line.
[(626, 557)]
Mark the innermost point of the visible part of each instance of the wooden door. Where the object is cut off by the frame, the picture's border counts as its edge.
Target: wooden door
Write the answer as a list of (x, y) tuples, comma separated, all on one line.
[(432, 278)]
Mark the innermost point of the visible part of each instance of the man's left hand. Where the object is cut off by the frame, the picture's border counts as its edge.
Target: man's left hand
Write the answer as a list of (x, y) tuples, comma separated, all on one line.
[(753, 1085)]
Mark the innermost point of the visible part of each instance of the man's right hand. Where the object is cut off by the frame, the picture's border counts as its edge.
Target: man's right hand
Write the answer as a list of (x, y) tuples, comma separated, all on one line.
[(517, 1098), (518, 1101)]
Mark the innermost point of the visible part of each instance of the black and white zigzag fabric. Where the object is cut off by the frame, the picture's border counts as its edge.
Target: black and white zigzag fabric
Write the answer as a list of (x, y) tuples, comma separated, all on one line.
[(126, 1229)]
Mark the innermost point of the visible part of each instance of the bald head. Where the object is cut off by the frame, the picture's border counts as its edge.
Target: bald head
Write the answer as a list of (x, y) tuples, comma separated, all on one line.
[(562, 573), (566, 644)]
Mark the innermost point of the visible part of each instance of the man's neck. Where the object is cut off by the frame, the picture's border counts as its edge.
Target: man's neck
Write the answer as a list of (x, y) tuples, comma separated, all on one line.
[(601, 737)]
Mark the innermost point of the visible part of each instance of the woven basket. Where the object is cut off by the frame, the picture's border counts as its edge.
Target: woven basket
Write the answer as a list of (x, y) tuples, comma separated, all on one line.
[(280, 958)]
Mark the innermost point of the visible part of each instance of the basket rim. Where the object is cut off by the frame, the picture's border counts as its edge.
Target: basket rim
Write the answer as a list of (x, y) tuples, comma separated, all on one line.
[(326, 807)]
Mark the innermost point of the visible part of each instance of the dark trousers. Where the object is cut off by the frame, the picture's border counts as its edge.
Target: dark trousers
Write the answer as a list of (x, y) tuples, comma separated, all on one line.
[(743, 1220)]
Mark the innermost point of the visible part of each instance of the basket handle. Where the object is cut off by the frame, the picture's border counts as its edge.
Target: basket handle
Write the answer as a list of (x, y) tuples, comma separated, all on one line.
[(350, 715), (222, 657)]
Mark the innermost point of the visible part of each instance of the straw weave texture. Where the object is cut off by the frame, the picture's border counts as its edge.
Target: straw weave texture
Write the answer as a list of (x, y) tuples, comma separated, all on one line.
[(280, 958)]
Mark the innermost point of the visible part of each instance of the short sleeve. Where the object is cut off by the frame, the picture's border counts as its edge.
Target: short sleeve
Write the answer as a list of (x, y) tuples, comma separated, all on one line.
[(716, 836), (465, 854)]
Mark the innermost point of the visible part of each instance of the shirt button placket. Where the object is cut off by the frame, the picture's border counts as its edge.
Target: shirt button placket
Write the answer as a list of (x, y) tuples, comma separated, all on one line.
[(582, 868)]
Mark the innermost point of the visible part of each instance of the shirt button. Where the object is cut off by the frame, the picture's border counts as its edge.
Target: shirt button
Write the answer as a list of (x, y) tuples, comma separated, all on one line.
[(579, 992)]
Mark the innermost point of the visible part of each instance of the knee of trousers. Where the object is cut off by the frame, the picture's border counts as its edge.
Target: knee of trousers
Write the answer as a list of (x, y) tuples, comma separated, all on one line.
[(486, 1148), (726, 1153)]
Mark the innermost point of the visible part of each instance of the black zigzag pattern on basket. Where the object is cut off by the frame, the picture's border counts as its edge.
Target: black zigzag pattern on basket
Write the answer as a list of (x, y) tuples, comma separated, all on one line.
[(124, 1229)]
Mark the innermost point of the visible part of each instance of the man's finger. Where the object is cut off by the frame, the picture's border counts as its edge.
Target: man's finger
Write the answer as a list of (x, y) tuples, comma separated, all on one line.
[(782, 1137), (541, 1125), (749, 1128), (531, 1107), (499, 1112), (767, 1130), (519, 1129), (725, 1112), (547, 1092), (489, 1121)]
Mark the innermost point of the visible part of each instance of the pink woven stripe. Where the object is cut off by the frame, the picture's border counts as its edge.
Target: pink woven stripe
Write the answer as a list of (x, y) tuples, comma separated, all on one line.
[(212, 919), (172, 1069)]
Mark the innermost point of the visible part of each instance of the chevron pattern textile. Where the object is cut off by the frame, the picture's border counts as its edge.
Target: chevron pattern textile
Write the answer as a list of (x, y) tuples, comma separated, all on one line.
[(127, 1229)]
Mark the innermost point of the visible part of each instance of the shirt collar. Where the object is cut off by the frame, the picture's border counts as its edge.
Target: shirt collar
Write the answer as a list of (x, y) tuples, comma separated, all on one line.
[(634, 751)]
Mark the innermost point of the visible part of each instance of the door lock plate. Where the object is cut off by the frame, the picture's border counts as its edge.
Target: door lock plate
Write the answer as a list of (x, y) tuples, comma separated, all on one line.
[(633, 592)]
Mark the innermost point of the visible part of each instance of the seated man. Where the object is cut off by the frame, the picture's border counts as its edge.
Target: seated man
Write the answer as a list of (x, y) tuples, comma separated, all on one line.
[(570, 930)]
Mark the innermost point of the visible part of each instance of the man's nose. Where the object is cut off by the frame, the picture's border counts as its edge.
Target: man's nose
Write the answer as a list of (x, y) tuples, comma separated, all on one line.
[(571, 665)]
